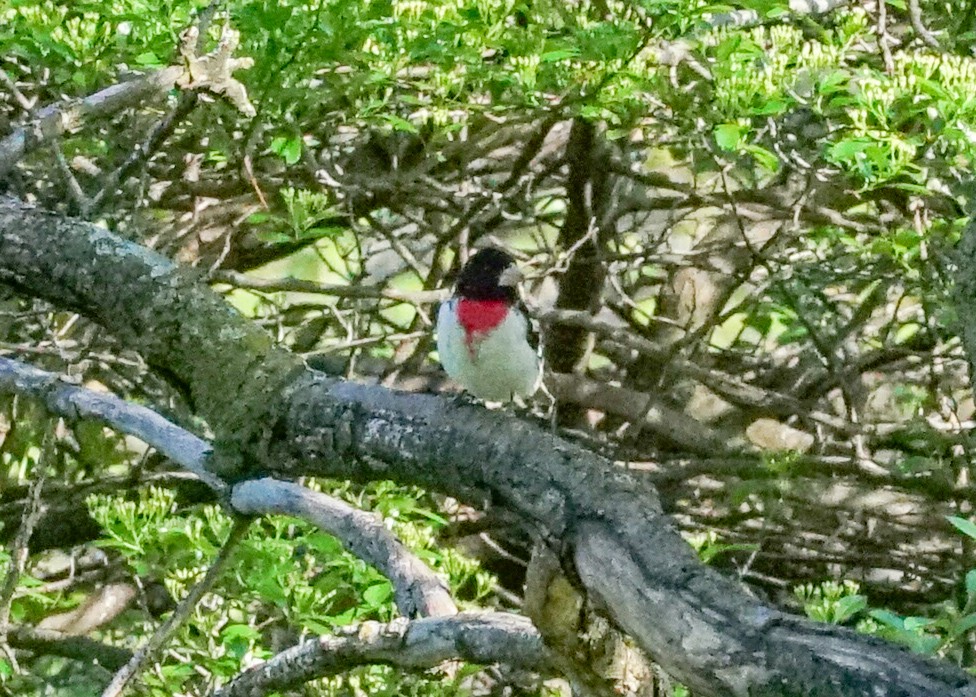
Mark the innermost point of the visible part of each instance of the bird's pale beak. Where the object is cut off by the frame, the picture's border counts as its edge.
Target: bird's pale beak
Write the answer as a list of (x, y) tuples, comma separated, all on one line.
[(511, 276)]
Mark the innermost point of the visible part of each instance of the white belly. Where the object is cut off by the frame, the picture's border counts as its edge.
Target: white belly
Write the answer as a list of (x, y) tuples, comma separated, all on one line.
[(495, 366)]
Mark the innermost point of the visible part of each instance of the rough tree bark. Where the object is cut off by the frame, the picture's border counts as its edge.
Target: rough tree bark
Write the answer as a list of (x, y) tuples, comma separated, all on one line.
[(603, 523)]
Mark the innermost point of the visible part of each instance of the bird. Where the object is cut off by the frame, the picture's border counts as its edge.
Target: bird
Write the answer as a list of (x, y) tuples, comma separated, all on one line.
[(483, 334)]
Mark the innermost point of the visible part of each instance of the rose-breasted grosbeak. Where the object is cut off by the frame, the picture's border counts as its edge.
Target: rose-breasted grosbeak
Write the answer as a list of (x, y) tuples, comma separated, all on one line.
[(482, 335)]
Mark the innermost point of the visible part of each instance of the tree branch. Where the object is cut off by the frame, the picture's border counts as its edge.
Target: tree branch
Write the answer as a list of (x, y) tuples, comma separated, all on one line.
[(210, 72), (297, 285), (915, 15), (74, 403), (425, 643), (58, 119), (419, 591), (581, 285), (605, 525), (79, 648), (747, 18)]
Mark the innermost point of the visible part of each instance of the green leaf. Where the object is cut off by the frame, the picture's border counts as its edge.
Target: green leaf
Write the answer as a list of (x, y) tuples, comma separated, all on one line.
[(558, 55), (848, 606), (728, 135), (269, 237), (289, 149), (964, 525), (846, 149), (766, 159), (321, 232), (971, 582), (316, 626), (888, 618), (148, 58), (916, 623), (400, 124), (964, 624), (377, 595), (771, 108), (239, 631)]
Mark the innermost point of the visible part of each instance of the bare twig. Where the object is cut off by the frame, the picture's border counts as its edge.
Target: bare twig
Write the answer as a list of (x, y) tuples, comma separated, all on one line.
[(58, 119), (657, 416), (882, 30), (915, 14), (74, 188), (371, 340), (20, 548), (48, 642), (296, 285), (141, 153), (25, 103), (136, 664)]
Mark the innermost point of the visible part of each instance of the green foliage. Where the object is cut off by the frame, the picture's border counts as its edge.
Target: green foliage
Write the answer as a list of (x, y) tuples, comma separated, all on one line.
[(946, 631), (84, 45), (708, 545), (731, 111), (287, 579), (308, 215), (830, 601), (879, 124), (840, 603)]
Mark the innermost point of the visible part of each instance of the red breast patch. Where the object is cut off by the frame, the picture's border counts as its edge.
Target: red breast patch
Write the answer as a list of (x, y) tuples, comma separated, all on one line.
[(480, 316)]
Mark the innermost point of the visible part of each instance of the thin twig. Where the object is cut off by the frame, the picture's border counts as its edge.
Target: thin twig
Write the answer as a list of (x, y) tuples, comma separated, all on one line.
[(142, 152), (79, 648), (915, 14), (74, 188), (297, 285), (889, 63), (60, 118), (131, 669), (20, 547), (25, 103)]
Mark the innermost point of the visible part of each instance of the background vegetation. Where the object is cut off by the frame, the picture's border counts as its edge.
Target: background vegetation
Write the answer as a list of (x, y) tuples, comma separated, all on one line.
[(737, 221)]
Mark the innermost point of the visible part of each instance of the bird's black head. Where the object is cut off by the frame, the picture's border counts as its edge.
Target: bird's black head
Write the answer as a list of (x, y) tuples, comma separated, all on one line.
[(490, 274)]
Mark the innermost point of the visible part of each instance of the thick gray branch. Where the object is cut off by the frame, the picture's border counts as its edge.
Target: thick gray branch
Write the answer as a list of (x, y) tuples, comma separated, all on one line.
[(484, 638), (73, 403), (609, 529), (418, 590), (715, 637)]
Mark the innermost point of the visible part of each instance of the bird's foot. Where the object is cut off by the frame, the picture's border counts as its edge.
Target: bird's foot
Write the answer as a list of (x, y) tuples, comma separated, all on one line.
[(465, 399)]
